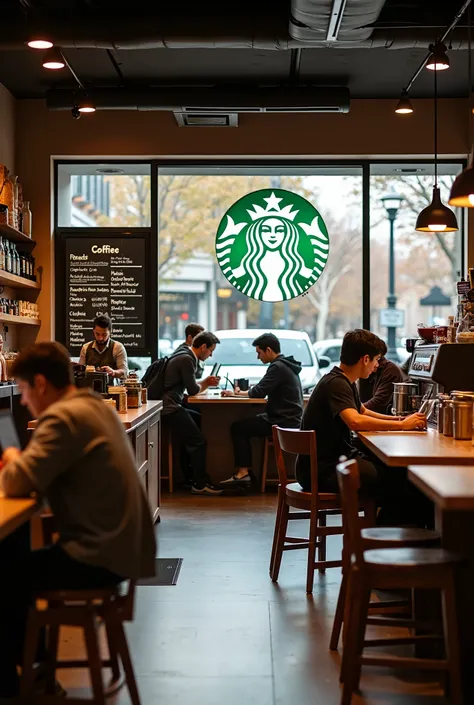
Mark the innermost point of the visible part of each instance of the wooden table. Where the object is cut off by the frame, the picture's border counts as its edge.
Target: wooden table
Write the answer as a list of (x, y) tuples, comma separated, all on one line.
[(15, 512), (451, 488), (403, 448)]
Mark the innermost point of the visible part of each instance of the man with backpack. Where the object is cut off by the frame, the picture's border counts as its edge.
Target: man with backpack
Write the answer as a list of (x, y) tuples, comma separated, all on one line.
[(179, 374)]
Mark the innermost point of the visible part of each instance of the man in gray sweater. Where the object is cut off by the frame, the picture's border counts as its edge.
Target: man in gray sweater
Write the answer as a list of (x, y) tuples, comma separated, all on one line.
[(180, 375), (81, 461)]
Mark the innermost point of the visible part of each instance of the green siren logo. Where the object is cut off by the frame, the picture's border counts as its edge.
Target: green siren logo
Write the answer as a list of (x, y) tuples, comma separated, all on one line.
[(272, 245)]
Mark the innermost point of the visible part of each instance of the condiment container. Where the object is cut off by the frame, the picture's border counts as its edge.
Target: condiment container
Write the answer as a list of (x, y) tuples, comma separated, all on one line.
[(441, 402), (144, 395), (462, 420), (134, 391), (448, 417), (119, 395)]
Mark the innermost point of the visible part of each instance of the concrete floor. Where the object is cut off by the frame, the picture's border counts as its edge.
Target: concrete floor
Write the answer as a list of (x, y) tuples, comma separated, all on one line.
[(225, 635)]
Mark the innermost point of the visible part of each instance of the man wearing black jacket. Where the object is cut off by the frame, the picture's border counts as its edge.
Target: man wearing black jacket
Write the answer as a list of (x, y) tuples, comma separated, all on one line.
[(180, 375), (282, 387)]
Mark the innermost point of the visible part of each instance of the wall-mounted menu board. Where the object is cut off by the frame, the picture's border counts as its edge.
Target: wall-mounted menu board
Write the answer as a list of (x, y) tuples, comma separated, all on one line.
[(106, 275)]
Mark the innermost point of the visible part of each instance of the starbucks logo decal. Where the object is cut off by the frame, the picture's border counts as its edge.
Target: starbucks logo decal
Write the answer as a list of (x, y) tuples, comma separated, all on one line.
[(272, 245)]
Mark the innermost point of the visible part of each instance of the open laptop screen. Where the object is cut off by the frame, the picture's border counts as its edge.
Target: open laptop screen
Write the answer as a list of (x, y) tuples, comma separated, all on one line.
[(8, 434)]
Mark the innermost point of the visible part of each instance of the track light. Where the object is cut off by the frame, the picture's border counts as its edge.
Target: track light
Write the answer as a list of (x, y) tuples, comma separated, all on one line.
[(85, 105), (53, 59), (439, 60), (404, 106), (40, 42)]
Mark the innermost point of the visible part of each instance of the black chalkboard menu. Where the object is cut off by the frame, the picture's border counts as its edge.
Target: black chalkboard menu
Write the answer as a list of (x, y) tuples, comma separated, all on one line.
[(106, 275)]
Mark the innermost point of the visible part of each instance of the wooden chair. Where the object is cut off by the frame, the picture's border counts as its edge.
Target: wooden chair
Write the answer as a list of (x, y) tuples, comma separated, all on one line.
[(168, 443), (268, 443), (392, 568), (378, 537), (315, 506), (86, 609)]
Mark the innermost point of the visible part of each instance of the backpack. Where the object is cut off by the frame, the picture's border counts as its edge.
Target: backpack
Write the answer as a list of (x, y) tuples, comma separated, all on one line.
[(154, 378)]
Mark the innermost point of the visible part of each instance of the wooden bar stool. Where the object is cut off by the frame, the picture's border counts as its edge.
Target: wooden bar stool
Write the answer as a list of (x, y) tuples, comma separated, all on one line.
[(315, 506), (168, 443), (87, 609), (392, 568), (378, 537), (268, 443)]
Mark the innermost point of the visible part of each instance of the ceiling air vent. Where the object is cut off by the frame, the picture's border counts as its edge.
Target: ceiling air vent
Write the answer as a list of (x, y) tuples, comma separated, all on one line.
[(206, 119), (108, 171)]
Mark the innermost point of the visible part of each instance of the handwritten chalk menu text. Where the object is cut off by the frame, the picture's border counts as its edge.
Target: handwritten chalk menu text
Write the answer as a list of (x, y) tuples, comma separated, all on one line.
[(106, 276)]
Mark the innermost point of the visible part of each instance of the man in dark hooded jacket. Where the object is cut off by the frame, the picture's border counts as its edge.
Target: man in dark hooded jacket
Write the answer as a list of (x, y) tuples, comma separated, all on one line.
[(282, 387)]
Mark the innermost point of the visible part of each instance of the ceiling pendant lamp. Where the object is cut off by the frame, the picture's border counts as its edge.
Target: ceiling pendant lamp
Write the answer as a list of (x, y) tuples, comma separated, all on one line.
[(53, 59), (462, 190), (85, 105), (39, 41), (404, 106), (436, 218), (439, 60)]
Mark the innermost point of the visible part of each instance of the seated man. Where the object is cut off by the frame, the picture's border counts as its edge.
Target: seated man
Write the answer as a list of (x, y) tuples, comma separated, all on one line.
[(180, 375), (190, 332), (282, 385), (376, 392), (334, 411), (81, 460)]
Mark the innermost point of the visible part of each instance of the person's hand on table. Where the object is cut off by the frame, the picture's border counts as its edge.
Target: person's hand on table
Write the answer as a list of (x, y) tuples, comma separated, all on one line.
[(9, 454), (227, 393), (211, 381), (413, 422)]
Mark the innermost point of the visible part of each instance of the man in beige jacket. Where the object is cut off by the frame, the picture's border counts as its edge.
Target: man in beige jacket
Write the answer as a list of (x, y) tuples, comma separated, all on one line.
[(81, 461)]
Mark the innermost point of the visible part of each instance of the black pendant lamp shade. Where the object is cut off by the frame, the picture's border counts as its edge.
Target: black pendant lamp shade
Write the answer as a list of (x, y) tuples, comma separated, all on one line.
[(462, 190), (436, 218), (404, 106)]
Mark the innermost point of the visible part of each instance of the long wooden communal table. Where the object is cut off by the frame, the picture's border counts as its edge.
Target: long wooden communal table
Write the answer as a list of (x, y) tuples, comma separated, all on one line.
[(402, 448), (15, 512), (218, 414), (451, 488), (143, 427)]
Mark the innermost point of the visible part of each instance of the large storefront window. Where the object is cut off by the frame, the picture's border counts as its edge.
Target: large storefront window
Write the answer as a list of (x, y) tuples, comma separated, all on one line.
[(104, 195), (427, 265), (191, 203)]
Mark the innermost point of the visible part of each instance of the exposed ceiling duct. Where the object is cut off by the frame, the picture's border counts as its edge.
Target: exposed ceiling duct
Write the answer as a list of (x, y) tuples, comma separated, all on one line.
[(331, 20), (214, 99)]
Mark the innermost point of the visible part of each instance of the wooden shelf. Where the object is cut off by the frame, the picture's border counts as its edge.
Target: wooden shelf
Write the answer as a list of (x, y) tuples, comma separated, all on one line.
[(19, 320), (15, 282), (15, 235)]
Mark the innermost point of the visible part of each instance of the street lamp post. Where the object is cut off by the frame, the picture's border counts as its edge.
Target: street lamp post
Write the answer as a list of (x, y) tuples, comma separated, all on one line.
[(391, 202)]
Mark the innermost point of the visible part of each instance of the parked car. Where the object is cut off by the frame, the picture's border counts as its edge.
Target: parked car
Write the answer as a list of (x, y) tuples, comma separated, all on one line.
[(239, 359), (331, 348)]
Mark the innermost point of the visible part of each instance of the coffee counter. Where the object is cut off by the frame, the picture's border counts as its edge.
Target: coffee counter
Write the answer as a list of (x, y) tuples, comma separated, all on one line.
[(143, 427), (401, 448)]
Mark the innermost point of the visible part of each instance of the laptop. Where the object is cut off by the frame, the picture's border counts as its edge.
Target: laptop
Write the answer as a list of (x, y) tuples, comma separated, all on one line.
[(8, 433)]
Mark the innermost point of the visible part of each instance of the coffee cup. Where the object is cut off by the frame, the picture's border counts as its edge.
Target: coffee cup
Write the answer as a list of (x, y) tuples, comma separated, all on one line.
[(243, 384)]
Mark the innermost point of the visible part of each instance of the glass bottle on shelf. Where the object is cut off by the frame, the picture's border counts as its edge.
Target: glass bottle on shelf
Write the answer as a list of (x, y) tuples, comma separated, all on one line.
[(14, 182), (2, 254), (17, 261), (26, 218), (33, 273), (8, 257), (28, 266)]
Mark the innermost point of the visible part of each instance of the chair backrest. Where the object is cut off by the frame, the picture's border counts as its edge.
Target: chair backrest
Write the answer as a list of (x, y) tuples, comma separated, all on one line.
[(291, 442), (349, 483)]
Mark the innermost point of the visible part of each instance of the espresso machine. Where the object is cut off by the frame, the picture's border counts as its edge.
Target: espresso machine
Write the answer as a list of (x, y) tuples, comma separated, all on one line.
[(94, 379), (440, 368)]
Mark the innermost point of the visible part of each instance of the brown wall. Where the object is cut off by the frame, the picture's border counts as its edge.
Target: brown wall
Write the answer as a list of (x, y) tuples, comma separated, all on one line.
[(7, 129), (371, 129)]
